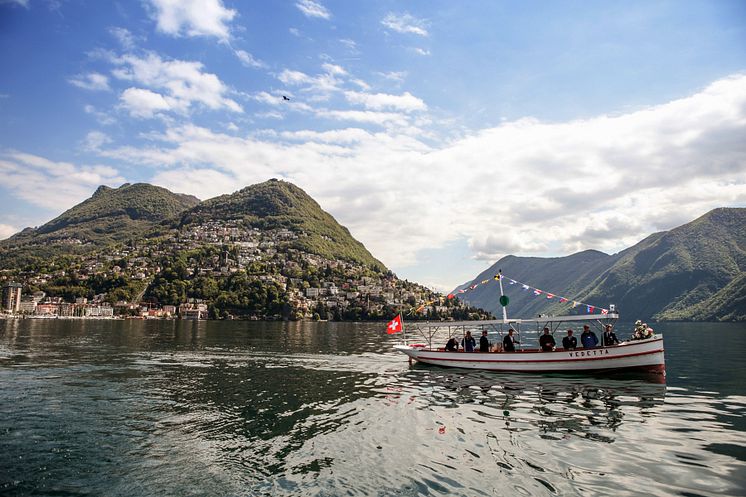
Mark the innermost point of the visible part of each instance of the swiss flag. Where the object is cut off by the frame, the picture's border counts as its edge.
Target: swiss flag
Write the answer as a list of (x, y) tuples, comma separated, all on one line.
[(394, 325)]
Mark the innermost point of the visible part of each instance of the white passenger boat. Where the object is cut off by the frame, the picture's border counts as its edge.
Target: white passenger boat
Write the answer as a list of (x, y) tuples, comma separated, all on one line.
[(635, 355)]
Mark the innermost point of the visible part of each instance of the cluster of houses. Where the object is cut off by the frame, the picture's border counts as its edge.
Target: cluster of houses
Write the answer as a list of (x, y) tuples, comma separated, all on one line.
[(38, 305), (310, 282)]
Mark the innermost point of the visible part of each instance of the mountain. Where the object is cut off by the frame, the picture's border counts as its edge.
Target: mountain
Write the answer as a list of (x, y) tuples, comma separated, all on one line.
[(693, 272), (277, 204), (268, 251), (111, 214)]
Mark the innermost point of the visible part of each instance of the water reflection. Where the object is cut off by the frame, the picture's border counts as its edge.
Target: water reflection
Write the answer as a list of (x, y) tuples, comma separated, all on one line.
[(301, 409)]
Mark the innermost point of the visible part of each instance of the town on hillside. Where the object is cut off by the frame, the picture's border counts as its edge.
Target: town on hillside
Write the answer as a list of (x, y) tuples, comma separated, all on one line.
[(222, 269)]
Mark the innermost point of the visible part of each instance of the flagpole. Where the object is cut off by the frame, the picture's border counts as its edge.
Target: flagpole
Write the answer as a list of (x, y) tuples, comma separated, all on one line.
[(500, 280), (403, 331)]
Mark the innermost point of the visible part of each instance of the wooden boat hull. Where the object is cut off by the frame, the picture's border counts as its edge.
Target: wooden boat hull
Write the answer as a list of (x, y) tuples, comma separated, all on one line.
[(644, 355)]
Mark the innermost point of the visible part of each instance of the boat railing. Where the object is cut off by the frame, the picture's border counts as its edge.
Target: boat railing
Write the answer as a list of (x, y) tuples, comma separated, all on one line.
[(526, 331)]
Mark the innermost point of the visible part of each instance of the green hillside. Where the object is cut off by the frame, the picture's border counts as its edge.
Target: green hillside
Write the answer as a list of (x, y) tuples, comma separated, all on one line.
[(693, 272), (111, 215), (277, 204)]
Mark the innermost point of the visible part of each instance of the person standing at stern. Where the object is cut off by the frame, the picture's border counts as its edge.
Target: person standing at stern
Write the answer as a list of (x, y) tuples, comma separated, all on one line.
[(546, 341)]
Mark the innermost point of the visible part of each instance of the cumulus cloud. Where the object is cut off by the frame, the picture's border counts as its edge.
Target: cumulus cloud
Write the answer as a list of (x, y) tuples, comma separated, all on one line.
[(193, 17), (90, 81), (524, 187), (405, 23), (311, 8), (53, 185), (180, 83)]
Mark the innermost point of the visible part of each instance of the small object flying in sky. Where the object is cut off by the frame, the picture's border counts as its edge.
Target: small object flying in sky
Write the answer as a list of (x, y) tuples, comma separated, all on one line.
[(284, 97)]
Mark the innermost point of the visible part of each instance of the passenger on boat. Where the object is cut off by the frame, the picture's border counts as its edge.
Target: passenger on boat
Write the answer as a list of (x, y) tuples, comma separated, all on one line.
[(609, 337), (588, 338), (546, 341), (570, 342), (452, 345), (484, 342), (509, 341), (468, 343)]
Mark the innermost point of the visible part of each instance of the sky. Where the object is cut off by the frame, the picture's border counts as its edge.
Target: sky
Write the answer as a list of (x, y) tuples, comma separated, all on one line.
[(445, 135)]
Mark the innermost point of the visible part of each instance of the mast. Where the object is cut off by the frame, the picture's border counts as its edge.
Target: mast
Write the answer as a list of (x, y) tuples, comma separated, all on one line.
[(505, 307)]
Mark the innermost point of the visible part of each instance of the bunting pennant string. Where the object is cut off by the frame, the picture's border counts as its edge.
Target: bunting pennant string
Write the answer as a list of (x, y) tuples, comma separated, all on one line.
[(590, 309)]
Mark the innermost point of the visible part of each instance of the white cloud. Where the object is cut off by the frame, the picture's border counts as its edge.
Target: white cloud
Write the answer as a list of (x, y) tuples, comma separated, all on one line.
[(405, 23), (248, 60), (397, 76), (377, 101), (95, 140), (182, 83), (312, 8), (124, 37), (91, 81), (101, 117), (365, 116), (350, 44), (22, 3), (144, 103), (421, 51), (7, 231), (53, 185), (523, 187), (193, 17)]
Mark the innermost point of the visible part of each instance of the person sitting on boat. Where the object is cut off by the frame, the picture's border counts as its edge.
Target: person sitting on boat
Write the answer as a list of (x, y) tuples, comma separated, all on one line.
[(484, 342), (609, 337), (588, 338), (509, 341), (648, 332), (640, 330), (468, 343), (452, 345), (546, 341), (570, 342)]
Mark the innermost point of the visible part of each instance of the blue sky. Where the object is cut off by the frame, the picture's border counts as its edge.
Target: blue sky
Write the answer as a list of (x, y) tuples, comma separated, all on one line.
[(443, 134)]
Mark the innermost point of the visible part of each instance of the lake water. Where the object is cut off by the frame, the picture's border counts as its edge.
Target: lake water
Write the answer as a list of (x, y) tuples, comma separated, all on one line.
[(235, 408)]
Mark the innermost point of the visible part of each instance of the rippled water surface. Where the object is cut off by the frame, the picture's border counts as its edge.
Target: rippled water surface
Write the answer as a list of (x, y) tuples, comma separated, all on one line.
[(228, 408)]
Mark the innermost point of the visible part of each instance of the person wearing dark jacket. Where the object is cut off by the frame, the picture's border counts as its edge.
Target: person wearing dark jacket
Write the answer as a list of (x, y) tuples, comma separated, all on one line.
[(468, 343), (546, 341), (609, 337), (484, 342), (452, 345), (509, 342), (569, 342)]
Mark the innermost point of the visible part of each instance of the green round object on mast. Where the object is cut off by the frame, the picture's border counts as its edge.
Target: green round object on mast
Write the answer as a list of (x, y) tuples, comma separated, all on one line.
[(504, 300)]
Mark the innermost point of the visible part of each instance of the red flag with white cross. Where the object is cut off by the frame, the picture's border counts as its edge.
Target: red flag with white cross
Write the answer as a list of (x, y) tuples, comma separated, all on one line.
[(395, 325)]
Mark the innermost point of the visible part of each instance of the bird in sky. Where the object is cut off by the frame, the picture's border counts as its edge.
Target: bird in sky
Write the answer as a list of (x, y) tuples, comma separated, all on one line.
[(284, 97)]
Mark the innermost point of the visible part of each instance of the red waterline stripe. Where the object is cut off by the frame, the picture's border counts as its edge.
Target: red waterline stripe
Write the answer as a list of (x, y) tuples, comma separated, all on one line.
[(541, 361)]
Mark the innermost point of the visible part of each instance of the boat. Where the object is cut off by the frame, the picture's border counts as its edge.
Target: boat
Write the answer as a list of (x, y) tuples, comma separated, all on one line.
[(645, 355)]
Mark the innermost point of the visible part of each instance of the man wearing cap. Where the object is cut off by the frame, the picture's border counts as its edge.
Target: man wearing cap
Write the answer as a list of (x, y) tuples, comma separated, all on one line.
[(588, 338), (609, 337)]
